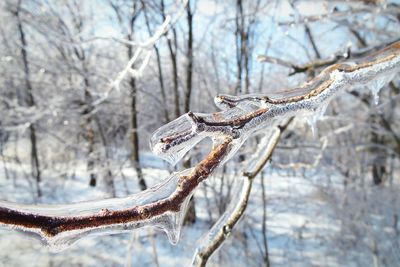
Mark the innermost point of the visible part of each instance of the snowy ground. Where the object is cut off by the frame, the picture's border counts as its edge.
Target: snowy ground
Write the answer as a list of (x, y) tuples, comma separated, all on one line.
[(301, 225)]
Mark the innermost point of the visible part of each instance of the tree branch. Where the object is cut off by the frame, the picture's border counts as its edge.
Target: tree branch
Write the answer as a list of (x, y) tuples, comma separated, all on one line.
[(163, 205), (224, 227)]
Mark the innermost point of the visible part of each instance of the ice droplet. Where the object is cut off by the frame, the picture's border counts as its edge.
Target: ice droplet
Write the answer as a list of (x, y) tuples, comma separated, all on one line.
[(312, 123), (171, 222), (377, 84), (316, 116)]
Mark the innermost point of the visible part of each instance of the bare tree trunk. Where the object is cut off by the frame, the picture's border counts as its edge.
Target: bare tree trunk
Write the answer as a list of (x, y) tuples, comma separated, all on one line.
[(135, 136), (134, 123), (173, 51), (191, 213), (240, 44), (135, 158), (246, 64), (30, 101), (173, 55), (89, 136), (189, 58), (160, 70)]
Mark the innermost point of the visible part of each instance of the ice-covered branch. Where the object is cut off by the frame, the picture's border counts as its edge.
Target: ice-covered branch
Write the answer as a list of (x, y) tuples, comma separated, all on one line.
[(322, 63), (337, 15), (222, 229), (241, 116), (162, 206), (142, 53)]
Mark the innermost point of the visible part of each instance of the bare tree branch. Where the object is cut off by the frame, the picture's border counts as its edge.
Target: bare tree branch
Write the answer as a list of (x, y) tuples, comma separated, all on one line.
[(242, 116), (225, 226)]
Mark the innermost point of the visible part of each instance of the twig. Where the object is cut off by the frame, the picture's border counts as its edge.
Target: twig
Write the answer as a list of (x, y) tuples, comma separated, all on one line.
[(242, 117), (205, 251), (321, 63)]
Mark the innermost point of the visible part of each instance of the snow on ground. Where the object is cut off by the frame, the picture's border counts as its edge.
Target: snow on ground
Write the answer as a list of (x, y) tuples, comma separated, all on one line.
[(300, 226)]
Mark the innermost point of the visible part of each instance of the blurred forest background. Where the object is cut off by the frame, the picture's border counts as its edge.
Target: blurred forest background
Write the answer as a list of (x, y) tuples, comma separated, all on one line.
[(75, 125)]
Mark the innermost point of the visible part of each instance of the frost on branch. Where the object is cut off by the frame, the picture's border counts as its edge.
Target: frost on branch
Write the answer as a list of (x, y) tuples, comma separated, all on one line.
[(163, 206), (142, 54)]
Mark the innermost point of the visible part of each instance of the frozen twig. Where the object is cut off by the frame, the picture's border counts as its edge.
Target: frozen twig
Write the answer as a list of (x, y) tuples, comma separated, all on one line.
[(336, 15), (142, 52), (163, 206), (222, 229), (321, 63)]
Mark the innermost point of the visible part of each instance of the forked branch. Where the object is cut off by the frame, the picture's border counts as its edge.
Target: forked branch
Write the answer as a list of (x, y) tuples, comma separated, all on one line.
[(224, 226), (163, 205)]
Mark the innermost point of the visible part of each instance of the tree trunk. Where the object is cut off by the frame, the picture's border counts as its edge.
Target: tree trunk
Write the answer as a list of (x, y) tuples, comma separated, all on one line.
[(30, 101), (134, 132), (190, 216), (159, 67), (240, 45), (189, 58), (173, 51), (135, 136)]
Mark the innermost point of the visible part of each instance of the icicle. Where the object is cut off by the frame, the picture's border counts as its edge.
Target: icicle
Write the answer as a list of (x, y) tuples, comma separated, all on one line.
[(316, 116), (60, 226), (170, 222), (377, 84), (312, 123)]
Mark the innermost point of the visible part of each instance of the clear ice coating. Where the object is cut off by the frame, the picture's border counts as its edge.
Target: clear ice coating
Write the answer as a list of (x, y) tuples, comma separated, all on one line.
[(263, 147), (378, 83), (219, 228), (241, 116), (169, 222), (173, 140), (246, 103)]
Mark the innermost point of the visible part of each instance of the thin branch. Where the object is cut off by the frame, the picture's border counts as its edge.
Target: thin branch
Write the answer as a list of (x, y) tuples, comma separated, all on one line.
[(241, 117), (225, 227), (321, 63)]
